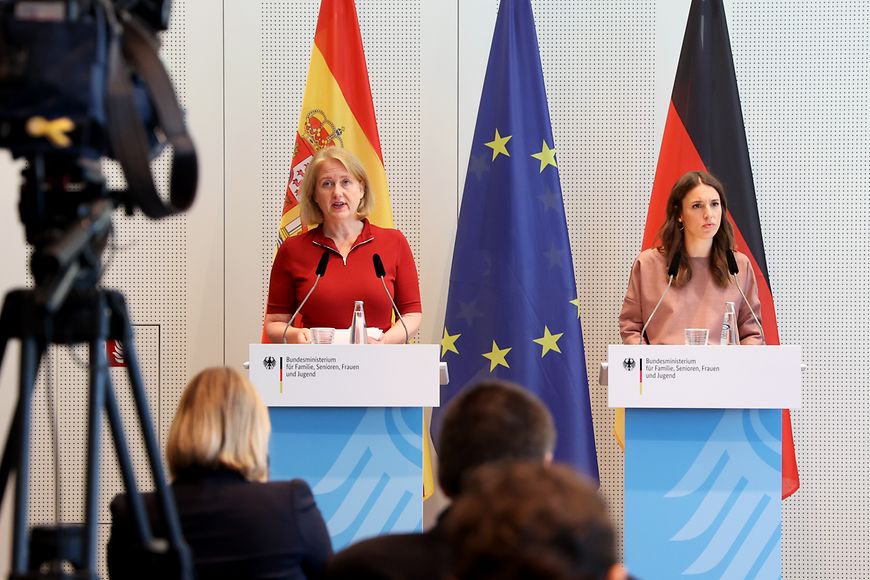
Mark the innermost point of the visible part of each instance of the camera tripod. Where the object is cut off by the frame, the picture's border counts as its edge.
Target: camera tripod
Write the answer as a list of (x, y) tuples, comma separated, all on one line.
[(96, 75), (91, 317), (67, 308)]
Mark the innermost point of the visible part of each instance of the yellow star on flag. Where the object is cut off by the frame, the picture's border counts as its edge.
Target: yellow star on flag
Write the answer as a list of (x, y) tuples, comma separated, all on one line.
[(497, 356), (499, 145), (549, 341), (576, 302), (546, 156), (448, 342)]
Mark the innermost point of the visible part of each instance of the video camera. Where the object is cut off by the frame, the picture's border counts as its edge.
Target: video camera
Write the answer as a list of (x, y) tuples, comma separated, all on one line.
[(81, 80)]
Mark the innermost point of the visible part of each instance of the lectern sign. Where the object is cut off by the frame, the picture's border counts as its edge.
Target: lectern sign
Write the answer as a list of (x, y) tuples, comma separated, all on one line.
[(343, 375), (713, 377)]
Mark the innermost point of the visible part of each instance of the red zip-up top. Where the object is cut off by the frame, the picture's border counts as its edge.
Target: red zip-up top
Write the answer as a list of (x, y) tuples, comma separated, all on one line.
[(345, 280)]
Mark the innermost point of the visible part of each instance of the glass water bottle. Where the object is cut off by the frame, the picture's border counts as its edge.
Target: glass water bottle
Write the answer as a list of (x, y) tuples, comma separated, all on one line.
[(729, 325), (358, 331)]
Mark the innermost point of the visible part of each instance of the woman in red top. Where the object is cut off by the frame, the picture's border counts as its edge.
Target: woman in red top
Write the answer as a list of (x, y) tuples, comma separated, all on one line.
[(335, 194)]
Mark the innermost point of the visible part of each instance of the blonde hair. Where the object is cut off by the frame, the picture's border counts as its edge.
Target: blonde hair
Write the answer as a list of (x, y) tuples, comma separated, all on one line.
[(221, 421), (311, 212)]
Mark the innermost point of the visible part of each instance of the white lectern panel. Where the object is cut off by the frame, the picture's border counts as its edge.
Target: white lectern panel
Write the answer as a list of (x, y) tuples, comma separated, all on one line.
[(346, 375), (704, 377)]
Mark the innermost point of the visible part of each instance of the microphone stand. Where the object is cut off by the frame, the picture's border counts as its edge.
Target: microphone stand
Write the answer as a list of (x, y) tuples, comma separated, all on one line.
[(648, 320), (320, 271), (381, 273), (301, 304), (734, 270), (396, 310), (673, 269)]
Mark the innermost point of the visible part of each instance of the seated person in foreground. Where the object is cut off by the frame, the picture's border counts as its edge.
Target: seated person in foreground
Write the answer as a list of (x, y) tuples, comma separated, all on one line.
[(527, 520), (236, 524), (493, 421)]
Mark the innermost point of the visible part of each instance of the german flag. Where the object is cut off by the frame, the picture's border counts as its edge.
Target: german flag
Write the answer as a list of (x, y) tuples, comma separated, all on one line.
[(704, 130)]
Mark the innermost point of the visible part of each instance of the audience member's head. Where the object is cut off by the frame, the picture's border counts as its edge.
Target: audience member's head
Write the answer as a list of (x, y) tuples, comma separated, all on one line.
[(221, 422), (492, 421), (530, 520)]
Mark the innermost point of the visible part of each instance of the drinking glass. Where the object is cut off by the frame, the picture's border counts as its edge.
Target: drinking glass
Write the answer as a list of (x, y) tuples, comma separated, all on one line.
[(322, 335), (696, 336)]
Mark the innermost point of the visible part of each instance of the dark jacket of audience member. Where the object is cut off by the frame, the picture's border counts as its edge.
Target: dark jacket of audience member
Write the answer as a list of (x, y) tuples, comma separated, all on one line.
[(236, 524), (493, 421), (528, 520)]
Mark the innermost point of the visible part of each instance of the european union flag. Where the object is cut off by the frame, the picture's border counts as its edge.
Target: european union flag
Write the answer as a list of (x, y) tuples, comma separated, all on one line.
[(513, 311)]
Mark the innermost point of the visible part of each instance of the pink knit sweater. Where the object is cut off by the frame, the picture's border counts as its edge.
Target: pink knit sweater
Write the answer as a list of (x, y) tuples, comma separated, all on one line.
[(698, 304)]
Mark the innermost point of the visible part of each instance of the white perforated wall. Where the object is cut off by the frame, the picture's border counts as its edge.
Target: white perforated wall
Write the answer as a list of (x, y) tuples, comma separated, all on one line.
[(804, 74)]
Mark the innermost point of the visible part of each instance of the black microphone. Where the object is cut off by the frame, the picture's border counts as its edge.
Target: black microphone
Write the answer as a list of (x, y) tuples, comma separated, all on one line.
[(319, 272), (321, 265), (674, 266), (381, 272), (732, 262), (673, 269), (733, 270)]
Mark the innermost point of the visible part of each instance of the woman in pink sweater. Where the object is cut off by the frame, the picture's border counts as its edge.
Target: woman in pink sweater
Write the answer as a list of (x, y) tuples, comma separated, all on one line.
[(696, 228)]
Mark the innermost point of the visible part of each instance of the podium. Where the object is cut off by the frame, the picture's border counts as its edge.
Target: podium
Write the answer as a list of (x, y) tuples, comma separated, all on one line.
[(348, 419), (703, 456)]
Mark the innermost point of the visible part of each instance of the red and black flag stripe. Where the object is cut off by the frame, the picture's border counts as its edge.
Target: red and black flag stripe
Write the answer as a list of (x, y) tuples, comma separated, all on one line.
[(704, 130)]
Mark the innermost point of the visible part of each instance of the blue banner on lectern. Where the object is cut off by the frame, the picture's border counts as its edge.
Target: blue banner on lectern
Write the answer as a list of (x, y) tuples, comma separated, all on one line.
[(364, 466), (702, 493)]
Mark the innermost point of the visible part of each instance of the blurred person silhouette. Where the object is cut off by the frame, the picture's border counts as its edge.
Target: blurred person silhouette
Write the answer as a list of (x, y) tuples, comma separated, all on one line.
[(490, 422), (236, 524), (530, 520)]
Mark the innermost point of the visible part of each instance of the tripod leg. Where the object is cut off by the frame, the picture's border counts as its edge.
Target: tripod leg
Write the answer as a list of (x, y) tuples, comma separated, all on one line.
[(134, 499), (10, 449), (10, 454), (137, 387), (30, 356), (99, 371), (10, 458)]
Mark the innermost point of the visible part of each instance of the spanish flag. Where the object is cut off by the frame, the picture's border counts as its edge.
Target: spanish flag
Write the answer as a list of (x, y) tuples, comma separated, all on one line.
[(704, 131), (337, 110)]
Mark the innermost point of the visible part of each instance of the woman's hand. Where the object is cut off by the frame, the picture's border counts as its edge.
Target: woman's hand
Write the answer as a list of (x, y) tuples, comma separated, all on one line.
[(396, 333), (298, 336), (276, 324)]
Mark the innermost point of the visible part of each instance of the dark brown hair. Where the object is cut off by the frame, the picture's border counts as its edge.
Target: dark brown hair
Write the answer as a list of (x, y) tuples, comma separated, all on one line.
[(527, 520), (671, 232), (491, 421)]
